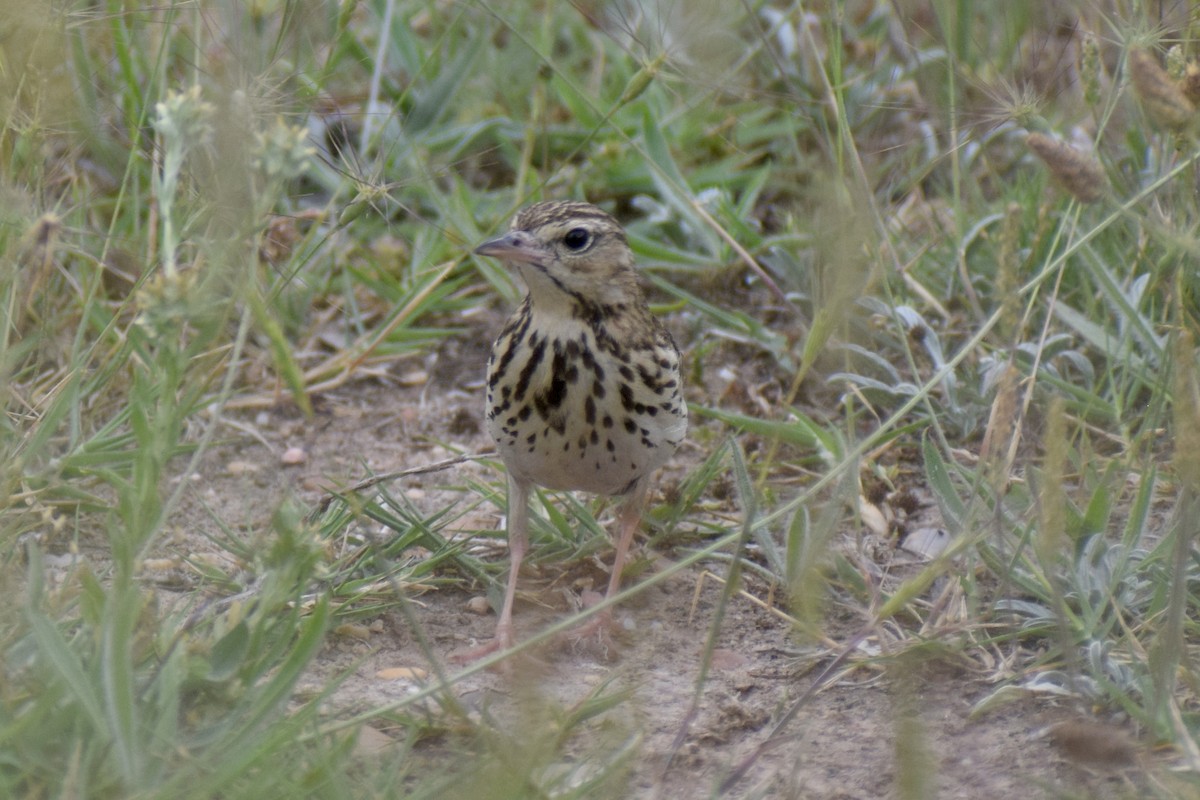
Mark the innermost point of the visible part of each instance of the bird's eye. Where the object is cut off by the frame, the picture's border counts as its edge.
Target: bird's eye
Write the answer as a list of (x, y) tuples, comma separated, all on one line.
[(577, 239)]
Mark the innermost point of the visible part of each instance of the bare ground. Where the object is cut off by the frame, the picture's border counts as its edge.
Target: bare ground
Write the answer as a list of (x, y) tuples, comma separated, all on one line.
[(842, 743)]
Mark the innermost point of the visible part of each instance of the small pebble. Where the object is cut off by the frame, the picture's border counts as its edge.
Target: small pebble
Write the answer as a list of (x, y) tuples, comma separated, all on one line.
[(479, 605), (353, 630), (371, 742), (293, 456)]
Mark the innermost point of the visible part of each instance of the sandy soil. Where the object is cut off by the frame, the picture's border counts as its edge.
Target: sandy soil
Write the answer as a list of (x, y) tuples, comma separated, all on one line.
[(841, 743)]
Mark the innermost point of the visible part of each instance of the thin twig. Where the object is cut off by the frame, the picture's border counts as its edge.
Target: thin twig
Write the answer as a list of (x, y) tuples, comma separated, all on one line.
[(776, 736), (367, 483)]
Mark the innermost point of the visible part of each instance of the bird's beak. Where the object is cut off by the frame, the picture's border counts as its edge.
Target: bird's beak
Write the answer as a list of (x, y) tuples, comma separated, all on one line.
[(517, 247)]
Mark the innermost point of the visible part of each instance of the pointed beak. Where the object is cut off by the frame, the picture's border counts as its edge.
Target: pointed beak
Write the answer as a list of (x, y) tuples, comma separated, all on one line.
[(517, 247)]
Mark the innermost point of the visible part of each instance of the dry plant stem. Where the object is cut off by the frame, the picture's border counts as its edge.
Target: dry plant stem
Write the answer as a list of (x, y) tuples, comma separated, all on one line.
[(347, 363), (745, 256), (378, 63), (367, 483), (776, 737), (926, 296), (767, 606)]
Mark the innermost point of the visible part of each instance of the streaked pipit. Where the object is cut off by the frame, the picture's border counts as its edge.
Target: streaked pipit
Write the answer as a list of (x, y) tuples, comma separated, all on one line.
[(583, 384)]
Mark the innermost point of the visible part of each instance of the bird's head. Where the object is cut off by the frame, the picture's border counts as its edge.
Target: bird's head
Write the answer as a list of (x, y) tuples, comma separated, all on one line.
[(567, 250)]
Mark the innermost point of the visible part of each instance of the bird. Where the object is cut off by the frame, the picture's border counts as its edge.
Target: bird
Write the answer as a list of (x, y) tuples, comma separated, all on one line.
[(584, 390)]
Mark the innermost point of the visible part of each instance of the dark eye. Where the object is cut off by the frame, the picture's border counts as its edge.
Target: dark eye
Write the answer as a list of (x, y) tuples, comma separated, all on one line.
[(577, 238)]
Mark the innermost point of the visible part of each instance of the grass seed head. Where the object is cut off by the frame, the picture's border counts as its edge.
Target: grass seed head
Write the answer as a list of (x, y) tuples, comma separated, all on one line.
[(1076, 171), (1191, 82), (1165, 102), (1090, 70)]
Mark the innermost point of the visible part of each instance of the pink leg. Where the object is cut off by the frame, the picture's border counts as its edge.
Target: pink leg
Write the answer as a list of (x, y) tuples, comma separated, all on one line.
[(628, 519), (518, 544)]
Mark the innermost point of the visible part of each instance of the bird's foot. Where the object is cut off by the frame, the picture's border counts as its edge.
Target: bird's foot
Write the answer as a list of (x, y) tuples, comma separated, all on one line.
[(471, 654), (523, 664), (503, 640), (597, 637)]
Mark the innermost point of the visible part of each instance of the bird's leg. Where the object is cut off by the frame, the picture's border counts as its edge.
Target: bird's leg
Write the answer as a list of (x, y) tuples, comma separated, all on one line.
[(629, 516), (518, 544)]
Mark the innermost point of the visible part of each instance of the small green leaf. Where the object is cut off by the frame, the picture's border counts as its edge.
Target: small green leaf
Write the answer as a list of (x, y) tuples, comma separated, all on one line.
[(954, 512), (229, 652)]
